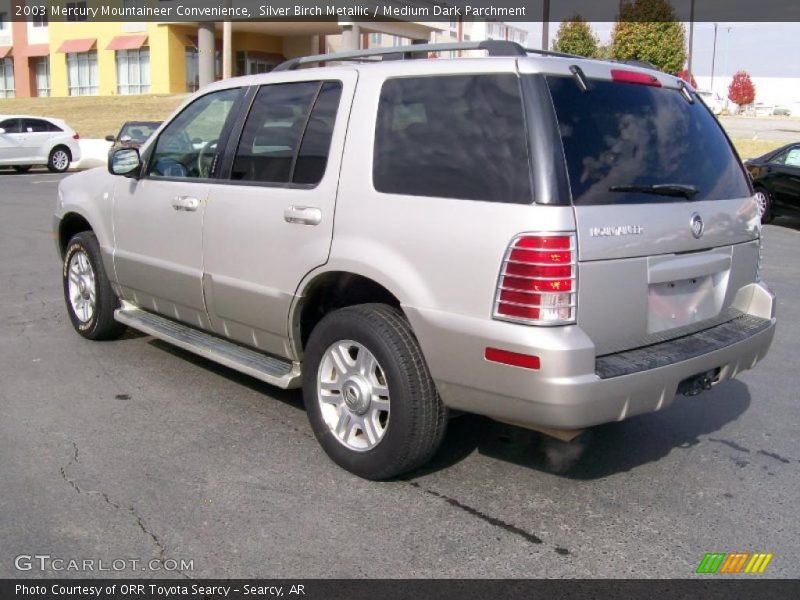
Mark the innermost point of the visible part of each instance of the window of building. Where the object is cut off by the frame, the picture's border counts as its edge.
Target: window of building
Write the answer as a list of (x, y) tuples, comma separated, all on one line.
[(455, 136), (40, 20), (77, 11), (188, 146), (82, 73), (6, 78), (3, 21), (375, 38), (133, 71), (288, 132), (193, 68), (43, 76)]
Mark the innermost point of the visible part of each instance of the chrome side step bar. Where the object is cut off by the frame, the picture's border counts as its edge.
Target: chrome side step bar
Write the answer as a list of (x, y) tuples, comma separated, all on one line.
[(275, 371)]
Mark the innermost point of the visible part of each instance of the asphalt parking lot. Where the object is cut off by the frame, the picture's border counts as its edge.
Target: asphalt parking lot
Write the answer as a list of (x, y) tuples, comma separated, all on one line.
[(767, 128), (133, 449)]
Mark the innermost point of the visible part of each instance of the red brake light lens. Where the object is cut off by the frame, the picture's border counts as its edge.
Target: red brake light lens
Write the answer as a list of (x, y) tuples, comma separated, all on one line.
[(624, 76), (76, 136), (537, 282)]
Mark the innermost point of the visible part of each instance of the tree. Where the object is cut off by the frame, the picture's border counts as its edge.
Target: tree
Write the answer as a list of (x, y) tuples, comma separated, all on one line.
[(684, 74), (575, 36), (648, 30), (742, 90)]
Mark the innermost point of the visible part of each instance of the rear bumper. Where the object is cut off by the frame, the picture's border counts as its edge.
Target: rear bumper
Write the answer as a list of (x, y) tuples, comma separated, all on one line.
[(574, 389)]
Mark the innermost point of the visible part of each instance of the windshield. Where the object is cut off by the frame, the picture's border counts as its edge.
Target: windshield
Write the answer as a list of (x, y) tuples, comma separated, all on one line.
[(137, 132), (637, 144)]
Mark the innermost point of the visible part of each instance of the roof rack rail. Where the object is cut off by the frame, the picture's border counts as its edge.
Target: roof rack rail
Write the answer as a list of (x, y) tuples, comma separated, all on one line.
[(492, 47)]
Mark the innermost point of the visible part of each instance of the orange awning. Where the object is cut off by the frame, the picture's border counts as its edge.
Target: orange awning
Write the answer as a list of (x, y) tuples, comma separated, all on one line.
[(84, 45), (127, 42), (37, 50), (5, 51)]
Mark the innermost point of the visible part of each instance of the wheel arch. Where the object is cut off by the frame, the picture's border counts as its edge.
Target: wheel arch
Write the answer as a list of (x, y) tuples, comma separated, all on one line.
[(329, 291), (71, 224)]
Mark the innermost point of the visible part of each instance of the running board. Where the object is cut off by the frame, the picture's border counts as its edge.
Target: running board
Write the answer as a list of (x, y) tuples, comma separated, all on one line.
[(275, 371)]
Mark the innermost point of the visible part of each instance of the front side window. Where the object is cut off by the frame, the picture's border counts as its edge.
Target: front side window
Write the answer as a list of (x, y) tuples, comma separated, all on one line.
[(188, 146), (288, 132), (453, 136), (7, 78), (133, 71), (10, 125), (43, 76), (82, 73)]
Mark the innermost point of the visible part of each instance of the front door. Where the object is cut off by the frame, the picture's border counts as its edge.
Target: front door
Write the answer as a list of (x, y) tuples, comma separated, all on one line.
[(10, 147), (158, 219), (271, 221)]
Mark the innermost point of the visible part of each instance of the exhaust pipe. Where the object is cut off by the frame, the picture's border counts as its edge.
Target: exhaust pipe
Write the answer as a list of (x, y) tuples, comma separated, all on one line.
[(698, 383)]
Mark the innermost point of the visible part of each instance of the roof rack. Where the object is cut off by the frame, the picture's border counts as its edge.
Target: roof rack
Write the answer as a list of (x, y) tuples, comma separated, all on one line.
[(492, 47)]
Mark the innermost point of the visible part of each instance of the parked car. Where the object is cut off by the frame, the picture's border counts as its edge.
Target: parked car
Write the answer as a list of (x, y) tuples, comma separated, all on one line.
[(27, 142), (782, 111), (531, 238), (713, 100), (132, 134), (776, 181)]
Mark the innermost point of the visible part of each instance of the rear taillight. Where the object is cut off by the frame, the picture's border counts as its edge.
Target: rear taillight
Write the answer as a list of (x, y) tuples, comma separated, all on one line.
[(76, 136), (624, 76), (538, 280)]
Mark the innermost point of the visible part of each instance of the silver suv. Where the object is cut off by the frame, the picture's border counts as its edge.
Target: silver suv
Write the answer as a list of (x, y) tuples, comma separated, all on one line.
[(550, 241)]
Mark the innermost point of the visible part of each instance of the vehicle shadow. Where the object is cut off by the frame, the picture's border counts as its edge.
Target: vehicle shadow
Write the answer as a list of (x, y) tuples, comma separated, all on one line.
[(791, 222), (293, 398), (605, 450)]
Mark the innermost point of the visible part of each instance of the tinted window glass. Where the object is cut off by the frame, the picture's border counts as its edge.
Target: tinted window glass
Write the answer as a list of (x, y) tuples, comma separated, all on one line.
[(188, 146), (622, 135), (35, 126), (10, 125), (137, 132), (273, 132), (313, 157), (457, 136)]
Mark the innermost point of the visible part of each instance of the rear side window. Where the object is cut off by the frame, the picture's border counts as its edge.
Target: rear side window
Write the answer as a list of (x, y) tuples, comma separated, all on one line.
[(38, 126), (288, 132), (621, 135), (455, 136)]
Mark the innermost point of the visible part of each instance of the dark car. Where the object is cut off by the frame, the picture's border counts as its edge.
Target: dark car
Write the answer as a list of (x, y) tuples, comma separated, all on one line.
[(133, 134), (776, 180)]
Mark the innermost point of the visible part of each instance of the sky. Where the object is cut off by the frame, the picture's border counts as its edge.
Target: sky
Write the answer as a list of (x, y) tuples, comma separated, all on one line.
[(762, 49)]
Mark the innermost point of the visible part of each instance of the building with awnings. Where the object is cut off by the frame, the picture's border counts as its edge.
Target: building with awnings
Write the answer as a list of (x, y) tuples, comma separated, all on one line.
[(85, 57)]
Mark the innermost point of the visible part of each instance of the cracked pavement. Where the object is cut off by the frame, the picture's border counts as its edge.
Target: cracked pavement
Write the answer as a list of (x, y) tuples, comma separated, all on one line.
[(134, 449)]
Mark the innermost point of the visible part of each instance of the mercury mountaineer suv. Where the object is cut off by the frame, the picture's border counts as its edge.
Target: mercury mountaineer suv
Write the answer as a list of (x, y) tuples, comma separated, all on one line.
[(550, 241)]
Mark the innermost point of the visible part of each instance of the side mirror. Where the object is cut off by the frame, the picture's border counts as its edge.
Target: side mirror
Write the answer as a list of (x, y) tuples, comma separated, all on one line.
[(125, 162), (110, 138), (2, 131)]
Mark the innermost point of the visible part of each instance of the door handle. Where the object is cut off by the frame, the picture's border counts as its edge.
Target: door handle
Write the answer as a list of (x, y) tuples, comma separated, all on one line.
[(303, 215), (185, 203)]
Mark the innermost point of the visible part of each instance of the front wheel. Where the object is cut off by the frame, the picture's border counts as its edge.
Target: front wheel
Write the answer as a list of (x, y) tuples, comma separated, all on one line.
[(90, 300), (59, 159), (369, 396), (764, 205)]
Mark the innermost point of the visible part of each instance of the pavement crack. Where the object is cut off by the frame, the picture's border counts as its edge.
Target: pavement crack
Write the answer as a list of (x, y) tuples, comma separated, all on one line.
[(494, 521), (162, 549), (776, 456), (730, 444)]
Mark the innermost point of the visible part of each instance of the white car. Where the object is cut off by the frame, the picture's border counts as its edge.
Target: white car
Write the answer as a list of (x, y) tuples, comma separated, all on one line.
[(29, 141), (713, 100)]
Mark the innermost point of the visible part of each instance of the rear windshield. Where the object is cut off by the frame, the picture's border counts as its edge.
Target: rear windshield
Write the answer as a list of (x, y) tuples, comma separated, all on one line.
[(621, 135)]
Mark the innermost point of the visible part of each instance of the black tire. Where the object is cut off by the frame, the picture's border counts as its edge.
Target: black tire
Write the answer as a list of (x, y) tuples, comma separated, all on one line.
[(417, 418), (767, 216), (52, 160), (22, 168), (101, 325)]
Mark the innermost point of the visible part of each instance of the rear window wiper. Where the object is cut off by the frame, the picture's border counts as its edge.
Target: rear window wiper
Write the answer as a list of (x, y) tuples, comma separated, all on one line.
[(661, 189)]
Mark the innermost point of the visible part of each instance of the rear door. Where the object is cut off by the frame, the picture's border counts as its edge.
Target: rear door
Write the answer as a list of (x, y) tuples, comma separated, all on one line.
[(271, 220), (784, 174), (35, 139), (665, 220)]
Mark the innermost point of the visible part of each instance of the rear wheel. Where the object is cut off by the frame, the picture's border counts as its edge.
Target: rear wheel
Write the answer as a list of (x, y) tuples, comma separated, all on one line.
[(59, 159), (764, 204), (90, 300), (369, 396), (22, 168)]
